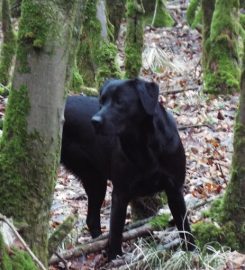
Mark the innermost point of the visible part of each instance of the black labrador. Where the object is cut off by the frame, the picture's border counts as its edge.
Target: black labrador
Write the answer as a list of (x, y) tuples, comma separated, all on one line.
[(128, 137)]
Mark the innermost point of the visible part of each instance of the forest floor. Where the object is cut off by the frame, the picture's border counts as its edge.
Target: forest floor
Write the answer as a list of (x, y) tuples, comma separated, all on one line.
[(206, 128)]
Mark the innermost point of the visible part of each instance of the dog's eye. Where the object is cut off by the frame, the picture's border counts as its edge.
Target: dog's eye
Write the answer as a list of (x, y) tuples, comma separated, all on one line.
[(119, 101)]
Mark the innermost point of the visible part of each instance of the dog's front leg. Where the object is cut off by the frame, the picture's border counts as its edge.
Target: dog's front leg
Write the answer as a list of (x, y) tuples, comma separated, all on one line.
[(117, 220)]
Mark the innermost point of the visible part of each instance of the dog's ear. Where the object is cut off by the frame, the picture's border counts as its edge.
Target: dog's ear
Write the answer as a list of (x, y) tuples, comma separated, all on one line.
[(148, 94)]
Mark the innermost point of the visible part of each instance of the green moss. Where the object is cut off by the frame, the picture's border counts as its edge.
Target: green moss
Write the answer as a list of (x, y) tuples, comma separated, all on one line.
[(76, 80), (197, 22), (27, 176), (96, 57), (38, 21), (4, 91), (215, 210), (13, 140), (107, 66), (5, 262), (160, 222), (160, 17), (22, 261), (217, 229), (16, 260), (242, 20), (192, 11), (35, 21), (215, 235)]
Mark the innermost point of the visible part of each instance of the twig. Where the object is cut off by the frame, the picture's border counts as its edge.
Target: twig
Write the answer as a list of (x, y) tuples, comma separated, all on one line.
[(62, 260), (196, 126), (35, 259), (211, 199), (176, 91)]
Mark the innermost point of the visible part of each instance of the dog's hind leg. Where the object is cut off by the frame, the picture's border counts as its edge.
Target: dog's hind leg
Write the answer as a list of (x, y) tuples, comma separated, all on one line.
[(95, 187), (177, 206)]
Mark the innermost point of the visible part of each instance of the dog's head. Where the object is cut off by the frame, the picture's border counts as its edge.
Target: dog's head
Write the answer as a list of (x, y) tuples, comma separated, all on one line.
[(124, 104)]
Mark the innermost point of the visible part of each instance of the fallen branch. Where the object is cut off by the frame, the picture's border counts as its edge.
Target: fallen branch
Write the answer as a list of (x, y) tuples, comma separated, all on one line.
[(128, 227), (101, 244), (35, 259)]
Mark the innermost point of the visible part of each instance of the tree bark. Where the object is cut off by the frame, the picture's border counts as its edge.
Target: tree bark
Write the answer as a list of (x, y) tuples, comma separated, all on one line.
[(234, 200), (30, 146)]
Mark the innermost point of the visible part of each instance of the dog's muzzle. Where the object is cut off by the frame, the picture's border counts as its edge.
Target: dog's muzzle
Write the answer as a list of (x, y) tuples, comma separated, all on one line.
[(97, 122)]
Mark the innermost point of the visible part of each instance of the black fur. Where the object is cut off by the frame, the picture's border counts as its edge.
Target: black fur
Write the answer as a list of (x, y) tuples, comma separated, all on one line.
[(134, 143)]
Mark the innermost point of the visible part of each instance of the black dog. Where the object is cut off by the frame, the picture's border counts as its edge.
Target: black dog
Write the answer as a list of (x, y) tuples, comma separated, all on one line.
[(136, 145)]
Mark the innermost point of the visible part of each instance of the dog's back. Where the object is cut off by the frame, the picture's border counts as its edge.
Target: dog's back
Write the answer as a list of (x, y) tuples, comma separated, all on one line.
[(84, 152)]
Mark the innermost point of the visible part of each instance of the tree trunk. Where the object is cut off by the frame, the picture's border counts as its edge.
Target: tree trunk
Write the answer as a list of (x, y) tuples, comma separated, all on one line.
[(116, 11), (134, 38), (222, 70), (96, 55), (8, 46), (193, 10), (208, 10), (234, 200), (161, 16), (30, 146), (15, 8)]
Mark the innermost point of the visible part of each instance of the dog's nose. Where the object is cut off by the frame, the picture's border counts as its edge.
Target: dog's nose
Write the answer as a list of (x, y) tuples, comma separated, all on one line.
[(97, 121)]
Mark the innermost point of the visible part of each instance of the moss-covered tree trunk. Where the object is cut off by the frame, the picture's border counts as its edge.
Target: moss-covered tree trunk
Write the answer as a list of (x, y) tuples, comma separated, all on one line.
[(207, 11), (222, 70), (116, 11), (156, 13), (8, 46), (134, 38), (234, 200), (96, 57), (30, 145), (15, 8), (193, 12)]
